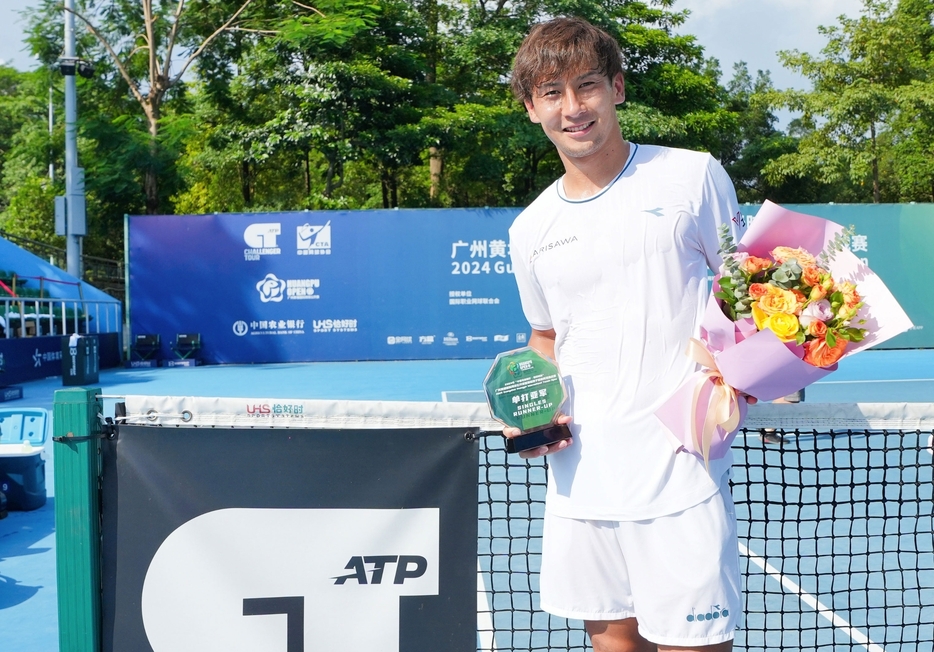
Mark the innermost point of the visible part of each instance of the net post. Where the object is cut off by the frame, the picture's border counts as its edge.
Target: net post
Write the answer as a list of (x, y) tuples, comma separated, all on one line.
[(77, 517)]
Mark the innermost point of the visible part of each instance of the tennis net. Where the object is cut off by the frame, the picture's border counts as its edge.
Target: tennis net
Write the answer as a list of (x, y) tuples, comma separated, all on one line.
[(835, 532)]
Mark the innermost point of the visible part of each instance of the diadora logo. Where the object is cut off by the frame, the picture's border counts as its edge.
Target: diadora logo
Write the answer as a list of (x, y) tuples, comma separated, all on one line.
[(271, 288), (712, 614), (407, 567), (552, 245), (312, 240), (261, 240), (657, 212)]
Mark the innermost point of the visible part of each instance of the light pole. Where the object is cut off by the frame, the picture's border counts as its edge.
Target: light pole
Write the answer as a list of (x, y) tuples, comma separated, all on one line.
[(73, 222)]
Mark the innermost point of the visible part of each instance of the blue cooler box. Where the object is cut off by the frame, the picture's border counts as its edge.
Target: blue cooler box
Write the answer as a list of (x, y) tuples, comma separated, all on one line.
[(23, 435)]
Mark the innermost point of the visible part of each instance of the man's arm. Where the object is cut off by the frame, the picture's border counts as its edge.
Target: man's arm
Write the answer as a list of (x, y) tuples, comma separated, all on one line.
[(544, 343)]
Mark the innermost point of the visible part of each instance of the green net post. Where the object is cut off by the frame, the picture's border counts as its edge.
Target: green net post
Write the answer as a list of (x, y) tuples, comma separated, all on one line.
[(77, 517)]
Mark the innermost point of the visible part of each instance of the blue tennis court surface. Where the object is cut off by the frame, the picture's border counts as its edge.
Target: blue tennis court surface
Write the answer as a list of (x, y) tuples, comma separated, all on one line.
[(28, 610)]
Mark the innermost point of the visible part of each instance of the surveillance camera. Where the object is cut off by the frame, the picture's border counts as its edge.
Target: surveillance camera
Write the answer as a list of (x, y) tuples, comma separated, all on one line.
[(85, 69)]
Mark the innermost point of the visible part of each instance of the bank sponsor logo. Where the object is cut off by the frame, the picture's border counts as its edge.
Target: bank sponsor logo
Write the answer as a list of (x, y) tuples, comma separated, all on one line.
[(49, 356), (240, 328), (450, 340), (277, 327), (261, 240), (399, 339), (334, 325), (312, 240)]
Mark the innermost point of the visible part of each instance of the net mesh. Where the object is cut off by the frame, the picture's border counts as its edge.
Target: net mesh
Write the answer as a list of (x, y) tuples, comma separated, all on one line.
[(835, 532)]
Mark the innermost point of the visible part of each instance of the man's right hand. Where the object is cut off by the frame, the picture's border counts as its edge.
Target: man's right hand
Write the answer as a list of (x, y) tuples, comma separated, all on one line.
[(541, 450)]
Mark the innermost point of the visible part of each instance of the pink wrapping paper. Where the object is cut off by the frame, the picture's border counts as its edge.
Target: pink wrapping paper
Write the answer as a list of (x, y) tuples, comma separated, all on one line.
[(758, 363)]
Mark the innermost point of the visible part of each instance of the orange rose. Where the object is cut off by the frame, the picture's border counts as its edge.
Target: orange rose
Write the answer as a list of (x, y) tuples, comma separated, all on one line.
[(801, 299), (781, 254), (778, 300), (811, 275), (817, 293), (754, 265), (817, 328), (851, 297), (758, 290), (819, 354)]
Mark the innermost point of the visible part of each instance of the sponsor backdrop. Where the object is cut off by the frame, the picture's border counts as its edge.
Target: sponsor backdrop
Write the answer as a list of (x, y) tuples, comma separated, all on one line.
[(335, 285), (291, 540), (403, 284)]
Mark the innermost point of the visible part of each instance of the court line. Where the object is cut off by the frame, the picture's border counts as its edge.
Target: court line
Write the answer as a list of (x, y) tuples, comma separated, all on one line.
[(856, 635), (857, 382), (485, 633)]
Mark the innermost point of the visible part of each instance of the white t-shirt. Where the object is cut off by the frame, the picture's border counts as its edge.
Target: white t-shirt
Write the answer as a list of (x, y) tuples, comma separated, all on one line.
[(621, 278)]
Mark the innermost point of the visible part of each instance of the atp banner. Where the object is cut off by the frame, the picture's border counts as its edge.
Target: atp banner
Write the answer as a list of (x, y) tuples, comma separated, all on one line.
[(327, 285), (288, 539)]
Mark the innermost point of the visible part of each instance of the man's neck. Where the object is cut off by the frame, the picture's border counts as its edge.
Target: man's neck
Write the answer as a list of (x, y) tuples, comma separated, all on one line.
[(585, 177)]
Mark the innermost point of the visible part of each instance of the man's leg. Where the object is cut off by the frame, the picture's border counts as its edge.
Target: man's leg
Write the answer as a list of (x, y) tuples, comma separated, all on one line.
[(623, 636)]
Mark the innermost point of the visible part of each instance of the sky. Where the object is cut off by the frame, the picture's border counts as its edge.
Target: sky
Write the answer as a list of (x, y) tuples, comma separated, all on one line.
[(730, 30)]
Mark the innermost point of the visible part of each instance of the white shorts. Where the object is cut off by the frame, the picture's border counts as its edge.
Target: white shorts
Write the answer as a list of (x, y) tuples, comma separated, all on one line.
[(678, 575)]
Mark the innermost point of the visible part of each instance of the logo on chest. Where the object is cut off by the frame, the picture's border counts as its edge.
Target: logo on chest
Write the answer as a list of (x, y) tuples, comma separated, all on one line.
[(545, 248)]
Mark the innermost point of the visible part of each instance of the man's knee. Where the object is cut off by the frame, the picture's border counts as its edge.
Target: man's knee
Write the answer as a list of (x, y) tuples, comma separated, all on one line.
[(617, 636)]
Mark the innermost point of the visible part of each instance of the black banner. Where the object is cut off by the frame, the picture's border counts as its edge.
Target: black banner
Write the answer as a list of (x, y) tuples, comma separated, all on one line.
[(292, 540)]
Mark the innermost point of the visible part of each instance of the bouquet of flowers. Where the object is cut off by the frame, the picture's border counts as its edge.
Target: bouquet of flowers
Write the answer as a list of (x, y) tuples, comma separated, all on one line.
[(792, 294), (790, 301)]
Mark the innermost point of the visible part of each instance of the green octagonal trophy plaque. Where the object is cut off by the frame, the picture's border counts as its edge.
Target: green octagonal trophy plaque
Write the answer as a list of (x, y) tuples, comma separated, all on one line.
[(524, 390)]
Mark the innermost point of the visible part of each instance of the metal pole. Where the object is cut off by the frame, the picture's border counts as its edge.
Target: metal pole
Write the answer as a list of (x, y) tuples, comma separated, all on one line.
[(72, 189), (51, 114)]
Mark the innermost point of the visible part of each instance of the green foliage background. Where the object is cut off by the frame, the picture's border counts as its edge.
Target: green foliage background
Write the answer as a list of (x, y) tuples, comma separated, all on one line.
[(367, 104)]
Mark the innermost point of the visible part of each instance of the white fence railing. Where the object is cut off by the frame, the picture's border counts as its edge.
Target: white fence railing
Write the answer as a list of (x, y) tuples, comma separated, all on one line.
[(35, 317)]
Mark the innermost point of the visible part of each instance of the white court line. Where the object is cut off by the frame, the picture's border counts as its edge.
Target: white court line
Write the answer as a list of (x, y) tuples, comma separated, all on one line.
[(856, 635), (487, 642), (858, 382)]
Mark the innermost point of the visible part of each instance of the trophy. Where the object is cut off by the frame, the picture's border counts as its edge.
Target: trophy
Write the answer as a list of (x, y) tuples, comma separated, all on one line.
[(524, 390)]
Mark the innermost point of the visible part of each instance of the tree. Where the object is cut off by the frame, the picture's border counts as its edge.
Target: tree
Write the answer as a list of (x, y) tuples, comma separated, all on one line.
[(866, 65), (151, 45)]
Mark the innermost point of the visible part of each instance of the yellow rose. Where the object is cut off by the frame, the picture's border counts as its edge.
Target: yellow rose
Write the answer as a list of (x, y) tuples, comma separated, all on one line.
[(778, 301), (784, 326)]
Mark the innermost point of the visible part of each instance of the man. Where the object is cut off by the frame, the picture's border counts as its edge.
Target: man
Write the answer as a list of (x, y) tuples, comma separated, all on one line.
[(611, 263)]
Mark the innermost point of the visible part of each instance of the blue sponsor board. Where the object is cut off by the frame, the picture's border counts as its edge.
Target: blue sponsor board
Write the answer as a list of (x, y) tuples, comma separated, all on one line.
[(328, 286), (30, 358)]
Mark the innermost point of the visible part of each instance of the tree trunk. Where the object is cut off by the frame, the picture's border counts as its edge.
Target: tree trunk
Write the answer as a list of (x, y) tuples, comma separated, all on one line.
[(151, 177), (435, 165), (876, 191), (246, 187)]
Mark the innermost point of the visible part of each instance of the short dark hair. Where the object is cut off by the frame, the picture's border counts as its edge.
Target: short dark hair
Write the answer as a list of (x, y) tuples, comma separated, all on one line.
[(560, 46)]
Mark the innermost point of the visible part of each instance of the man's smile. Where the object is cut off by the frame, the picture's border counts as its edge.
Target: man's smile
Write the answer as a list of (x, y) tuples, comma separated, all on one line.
[(578, 128)]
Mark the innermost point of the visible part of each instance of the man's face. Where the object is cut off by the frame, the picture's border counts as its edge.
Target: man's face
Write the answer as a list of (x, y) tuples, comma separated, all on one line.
[(578, 112)]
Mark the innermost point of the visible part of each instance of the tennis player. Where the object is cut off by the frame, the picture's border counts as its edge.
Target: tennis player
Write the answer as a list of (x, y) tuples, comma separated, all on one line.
[(611, 262)]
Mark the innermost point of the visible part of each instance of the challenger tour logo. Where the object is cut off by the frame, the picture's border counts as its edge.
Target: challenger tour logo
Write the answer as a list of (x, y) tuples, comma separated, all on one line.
[(551, 245)]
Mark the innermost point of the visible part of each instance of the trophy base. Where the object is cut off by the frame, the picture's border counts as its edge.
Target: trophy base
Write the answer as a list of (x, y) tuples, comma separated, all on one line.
[(538, 438)]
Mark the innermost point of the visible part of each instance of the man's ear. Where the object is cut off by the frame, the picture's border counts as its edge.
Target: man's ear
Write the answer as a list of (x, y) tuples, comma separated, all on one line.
[(530, 108), (619, 88)]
